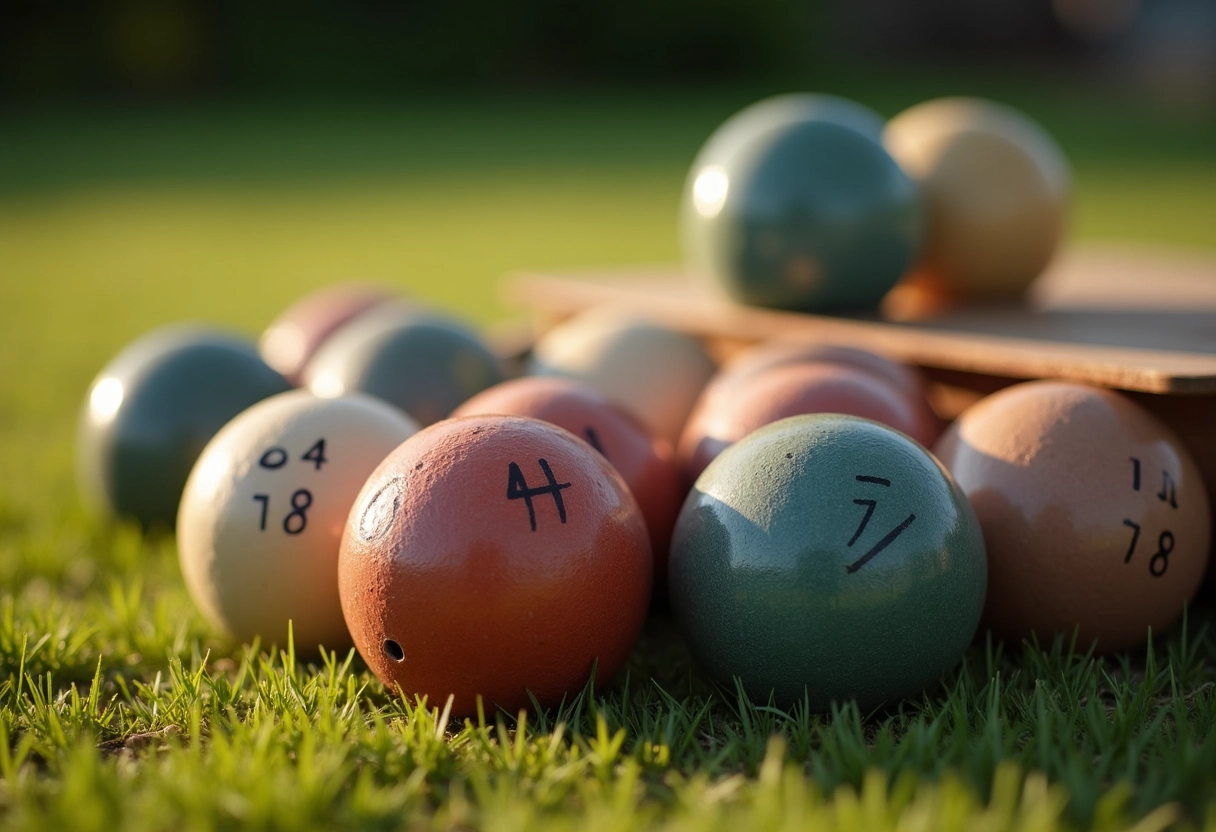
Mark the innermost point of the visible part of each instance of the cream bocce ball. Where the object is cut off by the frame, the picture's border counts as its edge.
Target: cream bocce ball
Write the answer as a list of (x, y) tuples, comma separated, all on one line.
[(263, 512)]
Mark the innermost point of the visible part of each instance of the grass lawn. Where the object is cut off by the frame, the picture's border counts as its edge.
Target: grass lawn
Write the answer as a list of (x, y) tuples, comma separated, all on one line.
[(119, 708)]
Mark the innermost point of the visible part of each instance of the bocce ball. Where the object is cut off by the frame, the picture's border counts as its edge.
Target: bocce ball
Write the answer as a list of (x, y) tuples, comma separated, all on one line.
[(290, 341), (490, 556), (724, 388), (996, 188), (264, 510), (653, 372), (761, 116), (424, 364), (647, 464), (152, 409), (810, 215), (765, 356), (1095, 515), (792, 390), (829, 557)]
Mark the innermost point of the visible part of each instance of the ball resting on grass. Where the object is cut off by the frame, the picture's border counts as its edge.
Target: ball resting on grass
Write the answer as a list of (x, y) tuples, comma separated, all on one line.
[(151, 411)]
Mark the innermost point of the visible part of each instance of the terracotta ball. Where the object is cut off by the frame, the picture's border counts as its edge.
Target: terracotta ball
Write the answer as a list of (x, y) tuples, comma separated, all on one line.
[(646, 463), (492, 556), (792, 390), (1095, 514)]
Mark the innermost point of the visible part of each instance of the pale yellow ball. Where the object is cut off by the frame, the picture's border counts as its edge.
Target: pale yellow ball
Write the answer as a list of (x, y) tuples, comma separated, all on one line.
[(653, 372), (997, 189), (263, 512)]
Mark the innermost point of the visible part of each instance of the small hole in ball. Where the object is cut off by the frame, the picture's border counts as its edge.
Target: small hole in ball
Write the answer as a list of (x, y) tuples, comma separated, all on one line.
[(393, 650)]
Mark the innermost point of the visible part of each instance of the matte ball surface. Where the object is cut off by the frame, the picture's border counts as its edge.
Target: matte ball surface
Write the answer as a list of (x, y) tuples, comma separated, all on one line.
[(724, 389), (807, 215), (292, 338), (151, 411), (830, 555), (425, 365), (996, 187), (1095, 515), (795, 389), (264, 510), (645, 463), (763, 357), (492, 555), (653, 372)]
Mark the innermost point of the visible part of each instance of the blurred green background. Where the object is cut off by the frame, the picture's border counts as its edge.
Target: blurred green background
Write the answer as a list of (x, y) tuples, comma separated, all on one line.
[(213, 161)]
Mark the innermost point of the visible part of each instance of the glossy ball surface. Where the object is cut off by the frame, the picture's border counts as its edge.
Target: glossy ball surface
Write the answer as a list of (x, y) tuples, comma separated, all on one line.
[(151, 411), (1095, 515), (492, 555), (793, 390), (292, 339), (645, 463), (830, 555), (264, 510), (423, 364), (808, 215), (777, 111), (653, 372), (996, 187)]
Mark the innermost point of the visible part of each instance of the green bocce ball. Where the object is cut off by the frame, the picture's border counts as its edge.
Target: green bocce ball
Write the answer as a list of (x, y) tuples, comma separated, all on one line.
[(809, 213), (151, 411), (422, 363), (831, 558)]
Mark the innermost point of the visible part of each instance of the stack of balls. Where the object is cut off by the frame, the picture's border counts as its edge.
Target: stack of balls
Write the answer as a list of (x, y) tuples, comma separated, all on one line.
[(368, 476)]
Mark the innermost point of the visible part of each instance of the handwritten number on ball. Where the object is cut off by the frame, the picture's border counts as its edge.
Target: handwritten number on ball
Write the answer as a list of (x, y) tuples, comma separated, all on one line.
[(264, 499), (869, 504), (316, 454), (882, 544), (888, 539), (517, 489), (593, 439), (273, 459), (1161, 558), (296, 520), (1135, 527), (1168, 493)]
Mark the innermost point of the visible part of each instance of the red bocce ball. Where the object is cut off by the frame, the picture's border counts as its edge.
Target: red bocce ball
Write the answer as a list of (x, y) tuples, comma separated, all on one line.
[(491, 556), (646, 463)]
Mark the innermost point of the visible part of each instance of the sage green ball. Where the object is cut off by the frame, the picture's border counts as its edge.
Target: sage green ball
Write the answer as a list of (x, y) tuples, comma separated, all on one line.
[(151, 411), (831, 558), (422, 363), (810, 214)]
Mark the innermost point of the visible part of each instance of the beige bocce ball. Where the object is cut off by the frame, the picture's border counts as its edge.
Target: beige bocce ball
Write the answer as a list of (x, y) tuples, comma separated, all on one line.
[(997, 188), (1094, 514), (263, 512), (653, 372)]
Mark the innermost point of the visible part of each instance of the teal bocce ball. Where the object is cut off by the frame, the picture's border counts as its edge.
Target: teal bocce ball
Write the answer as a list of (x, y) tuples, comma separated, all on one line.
[(831, 557), (424, 364), (151, 411), (779, 110), (809, 214)]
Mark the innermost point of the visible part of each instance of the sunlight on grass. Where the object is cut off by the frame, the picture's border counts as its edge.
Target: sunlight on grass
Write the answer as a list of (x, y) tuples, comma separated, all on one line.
[(119, 708)]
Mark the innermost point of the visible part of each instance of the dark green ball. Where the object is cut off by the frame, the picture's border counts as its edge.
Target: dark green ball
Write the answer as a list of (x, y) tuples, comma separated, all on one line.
[(810, 215), (829, 556), (423, 364), (151, 411)]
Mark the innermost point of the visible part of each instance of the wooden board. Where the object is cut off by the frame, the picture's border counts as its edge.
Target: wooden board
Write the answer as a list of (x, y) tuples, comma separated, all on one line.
[(1137, 319)]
